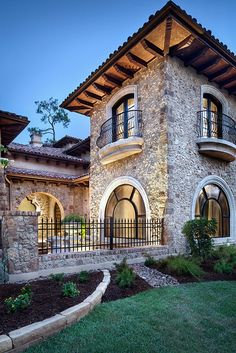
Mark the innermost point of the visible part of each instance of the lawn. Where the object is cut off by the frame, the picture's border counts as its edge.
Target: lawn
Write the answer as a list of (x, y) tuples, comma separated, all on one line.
[(194, 318)]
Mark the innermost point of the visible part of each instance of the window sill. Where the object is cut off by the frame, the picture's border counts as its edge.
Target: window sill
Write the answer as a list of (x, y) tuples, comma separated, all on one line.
[(120, 149)]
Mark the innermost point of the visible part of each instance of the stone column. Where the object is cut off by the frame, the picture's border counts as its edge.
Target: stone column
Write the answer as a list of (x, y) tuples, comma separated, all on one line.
[(4, 197)]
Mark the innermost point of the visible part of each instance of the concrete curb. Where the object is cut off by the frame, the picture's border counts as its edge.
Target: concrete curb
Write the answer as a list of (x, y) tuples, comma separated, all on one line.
[(18, 340)]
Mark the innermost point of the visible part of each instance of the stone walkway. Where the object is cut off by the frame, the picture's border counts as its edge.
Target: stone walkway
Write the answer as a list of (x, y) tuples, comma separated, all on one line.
[(153, 277)]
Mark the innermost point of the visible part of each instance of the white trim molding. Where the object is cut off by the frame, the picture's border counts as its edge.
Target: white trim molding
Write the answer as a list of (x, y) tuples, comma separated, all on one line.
[(214, 179), (121, 181), (217, 94), (131, 89)]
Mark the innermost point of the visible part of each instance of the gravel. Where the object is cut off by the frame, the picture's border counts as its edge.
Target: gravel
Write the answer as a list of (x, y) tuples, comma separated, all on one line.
[(153, 277)]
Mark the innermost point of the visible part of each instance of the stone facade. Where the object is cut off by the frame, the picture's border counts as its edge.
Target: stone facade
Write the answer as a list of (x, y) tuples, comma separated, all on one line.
[(170, 166), (148, 167)]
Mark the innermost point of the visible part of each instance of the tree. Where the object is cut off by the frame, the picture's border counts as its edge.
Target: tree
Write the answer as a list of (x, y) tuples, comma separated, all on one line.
[(52, 114)]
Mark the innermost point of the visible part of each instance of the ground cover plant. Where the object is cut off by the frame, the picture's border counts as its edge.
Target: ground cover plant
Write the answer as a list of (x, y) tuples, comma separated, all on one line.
[(196, 317), (125, 277)]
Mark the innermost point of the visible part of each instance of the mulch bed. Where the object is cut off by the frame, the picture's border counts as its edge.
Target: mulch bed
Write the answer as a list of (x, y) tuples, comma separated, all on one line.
[(47, 300), (209, 275), (114, 292)]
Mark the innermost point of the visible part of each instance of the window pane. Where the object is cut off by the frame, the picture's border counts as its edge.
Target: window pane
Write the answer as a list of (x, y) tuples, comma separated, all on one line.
[(212, 191), (224, 204), (123, 192), (124, 210), (212, 210), (138, 201), (111, 205)]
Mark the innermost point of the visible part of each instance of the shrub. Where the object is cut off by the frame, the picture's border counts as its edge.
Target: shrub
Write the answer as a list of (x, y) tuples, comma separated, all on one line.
[(198, 233), (150, 261), (83, 276), (226, 256), (125, 278), (74, 218), (69, 289), (58, 277), (125, 275), (181, 265), (21, 302), (223, 266)]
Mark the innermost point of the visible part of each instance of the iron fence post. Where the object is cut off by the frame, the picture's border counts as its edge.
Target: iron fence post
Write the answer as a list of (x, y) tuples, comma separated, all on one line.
[(111, 232)]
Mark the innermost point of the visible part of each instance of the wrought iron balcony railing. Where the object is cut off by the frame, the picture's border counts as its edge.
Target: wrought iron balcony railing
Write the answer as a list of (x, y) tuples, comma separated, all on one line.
[(121, 126), (216, 125)]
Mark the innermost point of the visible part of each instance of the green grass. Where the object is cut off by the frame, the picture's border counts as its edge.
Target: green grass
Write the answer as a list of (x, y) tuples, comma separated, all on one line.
[(194, 318)]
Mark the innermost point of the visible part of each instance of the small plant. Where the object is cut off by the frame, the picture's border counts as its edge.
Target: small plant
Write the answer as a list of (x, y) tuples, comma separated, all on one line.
[(226, 258), (69, 289), (74, 218), (150, 261), (199, 233), (57, 277), (125, 275), (223, 266), (83, 277), (21, 302), (181, 265)]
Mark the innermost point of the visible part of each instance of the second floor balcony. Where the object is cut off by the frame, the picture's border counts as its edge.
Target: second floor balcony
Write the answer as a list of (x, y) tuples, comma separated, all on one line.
[(216, 135), (121, 136)]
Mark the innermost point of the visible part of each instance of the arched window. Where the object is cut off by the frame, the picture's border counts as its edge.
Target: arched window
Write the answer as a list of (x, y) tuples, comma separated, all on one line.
[(126, 204), (212, 203), (212, 116), (123, 118)]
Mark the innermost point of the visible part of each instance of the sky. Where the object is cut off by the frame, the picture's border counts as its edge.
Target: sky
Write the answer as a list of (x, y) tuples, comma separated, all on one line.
[(48, 47)]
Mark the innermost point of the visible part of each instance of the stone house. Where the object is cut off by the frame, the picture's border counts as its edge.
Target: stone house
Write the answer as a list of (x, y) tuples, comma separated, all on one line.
[(162, 144), (163, 127)]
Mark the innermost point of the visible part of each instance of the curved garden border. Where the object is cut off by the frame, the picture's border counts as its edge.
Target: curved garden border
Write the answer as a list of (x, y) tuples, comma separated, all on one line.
[(20, 339)]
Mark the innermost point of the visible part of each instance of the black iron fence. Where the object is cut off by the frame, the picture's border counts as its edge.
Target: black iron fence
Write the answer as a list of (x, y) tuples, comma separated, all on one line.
[(217, 125), (60, 237), (121, 126)]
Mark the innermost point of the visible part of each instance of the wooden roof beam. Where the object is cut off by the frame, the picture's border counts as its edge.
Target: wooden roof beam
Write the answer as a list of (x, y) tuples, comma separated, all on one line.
[(185, 43), (151, 48), (101, 88), (112, 80), (168, 30), (93, 95), (86, 103), (121, 69), (195, 56), (220, 72), (78, 107), (228, 81), (208, 64), (136, 60)]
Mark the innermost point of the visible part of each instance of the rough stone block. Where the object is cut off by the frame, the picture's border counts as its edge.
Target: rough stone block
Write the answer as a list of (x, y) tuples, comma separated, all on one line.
[(102, 287), (75, 313), (38, 329), (5, 343), (94, 298)]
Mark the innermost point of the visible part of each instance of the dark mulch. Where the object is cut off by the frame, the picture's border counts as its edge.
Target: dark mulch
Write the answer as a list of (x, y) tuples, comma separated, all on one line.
[(47, 300), (209, 275), (114, 292)]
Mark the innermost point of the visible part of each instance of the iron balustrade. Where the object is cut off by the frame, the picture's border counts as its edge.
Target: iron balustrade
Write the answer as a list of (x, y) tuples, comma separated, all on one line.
[(211, 124), (121, 126), (59, 237)]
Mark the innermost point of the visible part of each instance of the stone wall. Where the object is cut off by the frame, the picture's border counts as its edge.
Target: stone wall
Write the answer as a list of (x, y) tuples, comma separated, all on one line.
[(148, 167), (73, 198), (186, 166), (20, 241)]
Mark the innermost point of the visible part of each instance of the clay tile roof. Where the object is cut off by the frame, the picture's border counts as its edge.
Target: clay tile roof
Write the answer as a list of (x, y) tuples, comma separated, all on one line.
[(42, 173), (170, 9), (51, 152), (11, 125), (66, 140), (80, 147)]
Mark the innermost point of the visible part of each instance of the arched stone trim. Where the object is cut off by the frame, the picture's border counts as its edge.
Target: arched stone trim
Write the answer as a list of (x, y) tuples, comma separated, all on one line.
[(217, 94), (131, 89), (121, 181), (214, 179)]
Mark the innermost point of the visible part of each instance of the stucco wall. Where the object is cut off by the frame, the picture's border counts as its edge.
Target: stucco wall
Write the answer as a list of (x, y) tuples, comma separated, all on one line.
[(150, 166), (186, 166)]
